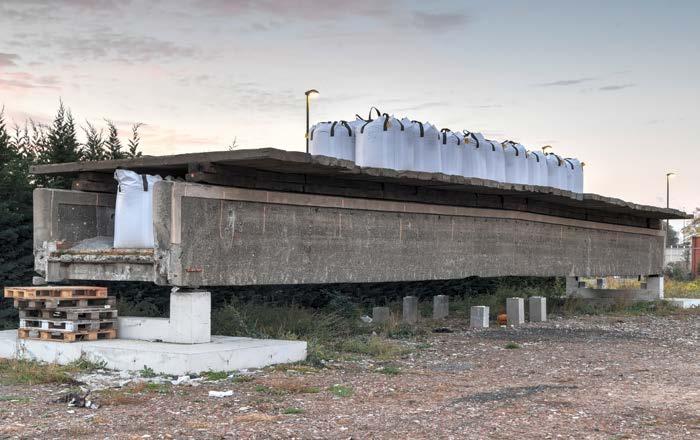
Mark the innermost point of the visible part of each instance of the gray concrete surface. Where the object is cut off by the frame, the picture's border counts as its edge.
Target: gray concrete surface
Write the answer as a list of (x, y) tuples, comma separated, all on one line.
[(515, 309), (479, 317), (537, 306), (410, 310), (441, 306)]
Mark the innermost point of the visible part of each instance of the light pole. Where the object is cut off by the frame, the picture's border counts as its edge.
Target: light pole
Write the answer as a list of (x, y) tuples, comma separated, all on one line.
[(308, 93), (668, 187)]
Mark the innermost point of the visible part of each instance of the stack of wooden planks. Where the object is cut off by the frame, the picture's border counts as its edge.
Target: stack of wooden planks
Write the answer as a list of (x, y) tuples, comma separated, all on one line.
[(64, 313)]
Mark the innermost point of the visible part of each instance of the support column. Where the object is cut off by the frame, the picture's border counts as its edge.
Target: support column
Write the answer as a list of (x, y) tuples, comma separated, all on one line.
[(410, 309), (655, 285), (600, 283), (538, 308), (572, 286), (479, 317), (515, 309), (380, 315), (190, 317), (441, 306)]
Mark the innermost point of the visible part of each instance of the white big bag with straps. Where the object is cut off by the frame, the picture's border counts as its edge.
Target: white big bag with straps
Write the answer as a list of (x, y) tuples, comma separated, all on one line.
[(133, 212)]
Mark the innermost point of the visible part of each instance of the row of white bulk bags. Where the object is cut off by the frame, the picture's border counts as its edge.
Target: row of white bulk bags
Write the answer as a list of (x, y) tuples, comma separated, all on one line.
[(537, 168), (133, 210), (334, 139), (515, 162), (451, 152)]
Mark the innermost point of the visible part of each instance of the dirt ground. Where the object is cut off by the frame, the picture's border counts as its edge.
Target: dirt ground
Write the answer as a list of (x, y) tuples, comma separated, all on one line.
[(592, 377)]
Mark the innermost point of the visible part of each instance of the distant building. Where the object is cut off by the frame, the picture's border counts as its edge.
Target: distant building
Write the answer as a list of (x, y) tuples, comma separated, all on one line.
[(675, 255)]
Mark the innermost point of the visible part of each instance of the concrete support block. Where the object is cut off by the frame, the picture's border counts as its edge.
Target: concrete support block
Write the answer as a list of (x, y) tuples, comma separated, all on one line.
[(515, 309), (538, 308), (38, 281), (441, 306), (600, 283), (572, 285), (479, 317), (190, 317), (655, 285), (410, 309), (380, 315)]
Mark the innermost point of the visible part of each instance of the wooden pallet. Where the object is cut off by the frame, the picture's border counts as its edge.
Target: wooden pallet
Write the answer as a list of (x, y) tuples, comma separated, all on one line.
[(69, 326), (65, 336), (60, 303), (70, 313), (64, 292)]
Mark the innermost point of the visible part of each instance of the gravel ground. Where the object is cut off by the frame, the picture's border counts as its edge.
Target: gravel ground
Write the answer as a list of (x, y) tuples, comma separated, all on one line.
[(591, 377)]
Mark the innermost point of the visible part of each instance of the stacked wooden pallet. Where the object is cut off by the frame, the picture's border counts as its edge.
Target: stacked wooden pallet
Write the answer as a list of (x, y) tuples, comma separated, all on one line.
[(64, 313)]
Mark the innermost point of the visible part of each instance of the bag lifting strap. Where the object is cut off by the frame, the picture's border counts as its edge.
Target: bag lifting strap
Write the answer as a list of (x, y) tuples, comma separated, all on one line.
[(422, 132), (144, 178), (341, 123), (469, 133), (512, 144), (379, 114)]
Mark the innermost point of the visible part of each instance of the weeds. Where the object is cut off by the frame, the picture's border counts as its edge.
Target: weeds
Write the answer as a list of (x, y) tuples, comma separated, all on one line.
[(147, 372), (512, 346), (282, 387), (341, 390), (389, 371), (22, 371), (293, 410), (87, 365), (373, 346), (215, 375)]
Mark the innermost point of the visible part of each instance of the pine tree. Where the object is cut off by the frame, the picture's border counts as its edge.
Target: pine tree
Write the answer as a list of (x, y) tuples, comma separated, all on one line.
[(113, 144), (62, 146), (94, 144), (134, 141)]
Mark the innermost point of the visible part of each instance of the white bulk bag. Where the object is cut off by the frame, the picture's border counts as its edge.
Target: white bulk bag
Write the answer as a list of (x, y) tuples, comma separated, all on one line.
[(377, 142), (451, 152), (133, 212), (537, 168), (516, 162), (406, 146), (475, 147), (556, 171), (342, 140), (427, 148), (576, 184), (495, 161), (319, 140)]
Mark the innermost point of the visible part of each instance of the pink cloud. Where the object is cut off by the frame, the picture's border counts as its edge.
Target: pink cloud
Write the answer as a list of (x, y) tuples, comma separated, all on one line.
[(17, 81), (8, 59)]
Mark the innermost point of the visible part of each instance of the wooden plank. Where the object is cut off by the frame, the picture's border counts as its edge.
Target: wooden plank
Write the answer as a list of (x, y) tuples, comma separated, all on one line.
[(67, 292), (63, 336)]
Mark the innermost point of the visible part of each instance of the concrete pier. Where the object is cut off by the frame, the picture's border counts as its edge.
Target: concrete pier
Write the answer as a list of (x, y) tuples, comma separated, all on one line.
[(538, 308), (515, 309), (479, 317), (380, 315), (410, 309), (441, 306)]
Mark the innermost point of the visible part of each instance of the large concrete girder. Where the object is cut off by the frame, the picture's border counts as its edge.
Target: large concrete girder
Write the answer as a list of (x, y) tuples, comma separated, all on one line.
[(212, 235)]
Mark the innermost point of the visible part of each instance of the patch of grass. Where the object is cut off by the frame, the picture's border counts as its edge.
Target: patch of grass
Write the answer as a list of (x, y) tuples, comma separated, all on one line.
[(242, 379), (160, 388), (293, 410), (279, 387), (15, 399), (373, 346), (512, 345), (87, 365), (147, 372), (389, 370), (215, 375), (578, 306), (22, 371), (682, 289), (341, 390)]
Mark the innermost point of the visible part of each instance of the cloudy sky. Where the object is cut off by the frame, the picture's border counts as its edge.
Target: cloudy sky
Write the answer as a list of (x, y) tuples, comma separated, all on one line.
[(613, 83)]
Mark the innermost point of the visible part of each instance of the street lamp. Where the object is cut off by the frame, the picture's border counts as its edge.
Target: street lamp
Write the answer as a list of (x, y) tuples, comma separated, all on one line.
[(308, 94), (668, 186)]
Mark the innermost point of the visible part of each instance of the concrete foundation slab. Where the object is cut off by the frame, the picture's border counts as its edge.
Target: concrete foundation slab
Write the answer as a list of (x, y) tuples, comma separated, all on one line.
[(537, 308), (441, 306), (223, 353), (479, 317), (515, 308), (684, 303), (380, 315)]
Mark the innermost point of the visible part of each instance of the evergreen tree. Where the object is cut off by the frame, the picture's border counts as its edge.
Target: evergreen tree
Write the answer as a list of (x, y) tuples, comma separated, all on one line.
[(62, 146), (134, 141), (94, 144), (16, 259), (113, 144)]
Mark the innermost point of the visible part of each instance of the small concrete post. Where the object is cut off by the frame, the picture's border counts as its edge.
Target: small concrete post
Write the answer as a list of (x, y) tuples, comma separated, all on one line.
[(515, 309), (410, 309), (538, 308), (441, 306), (38, 281), (190, 317), (600, 283), (479, 317), (572, 285), (380, 315), (655, 284)]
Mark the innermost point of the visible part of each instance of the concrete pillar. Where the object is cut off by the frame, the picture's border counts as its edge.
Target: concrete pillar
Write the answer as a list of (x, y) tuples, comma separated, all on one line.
[(441, 306), (600, 283), (479, 317), (572, 285), (515, 309), (380, 315), (655, 284), (38, 281), (538, 308), (410, 309), (190, 317)]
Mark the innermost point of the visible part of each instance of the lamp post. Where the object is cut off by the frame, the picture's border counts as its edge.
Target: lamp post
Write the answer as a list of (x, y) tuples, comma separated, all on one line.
[(308, 94), (668, 187)]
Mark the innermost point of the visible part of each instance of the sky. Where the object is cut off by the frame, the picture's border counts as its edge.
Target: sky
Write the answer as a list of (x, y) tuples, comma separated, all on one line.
[(616, 84)]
